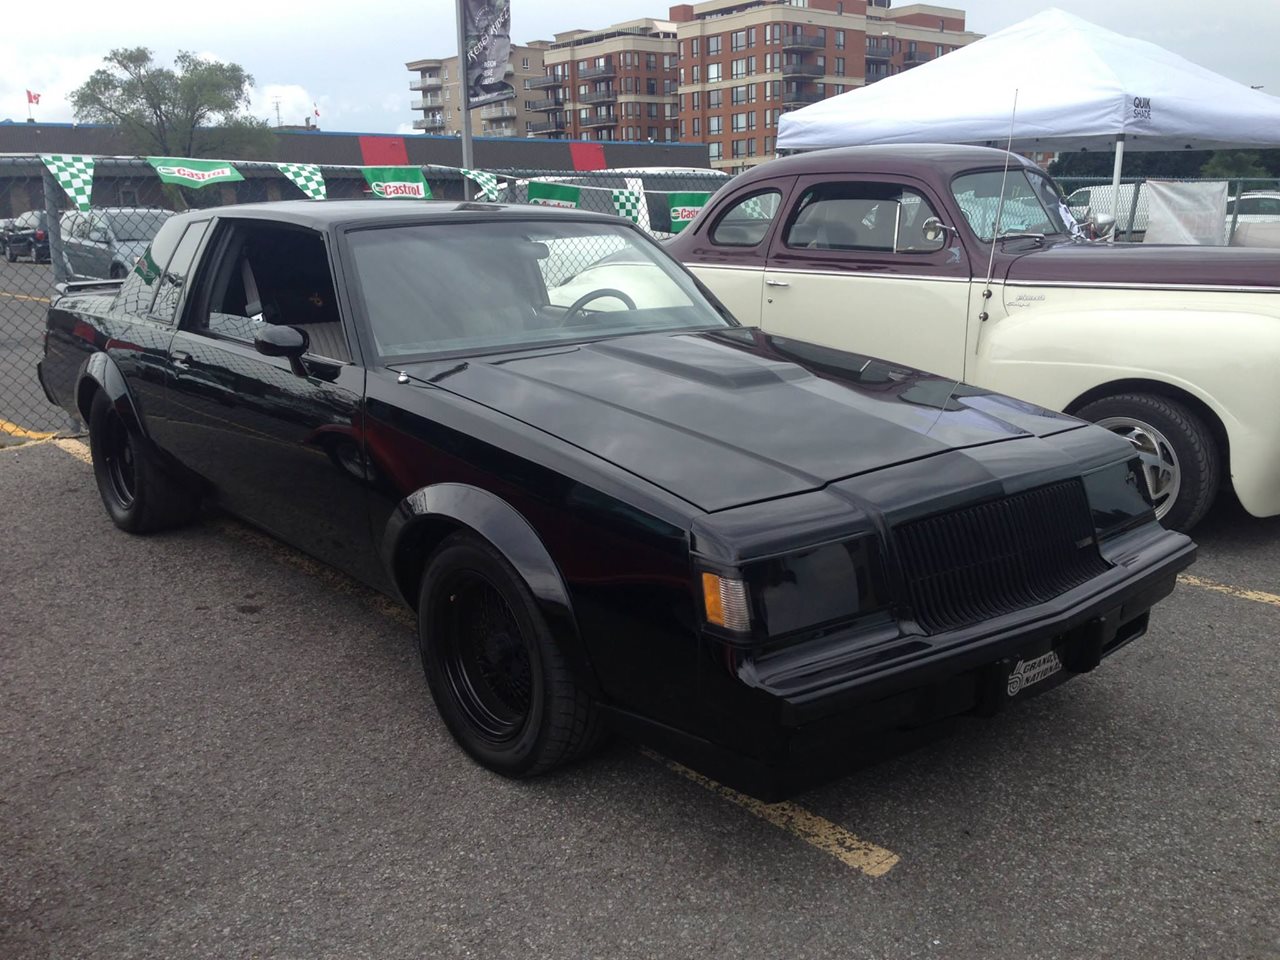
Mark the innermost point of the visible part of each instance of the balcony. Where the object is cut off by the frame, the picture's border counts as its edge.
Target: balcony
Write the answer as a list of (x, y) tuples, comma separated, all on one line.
[(915, 58), (546, 83), (792, 101), (607, 120), (426, 83), (598, 96), (427, 103), (551, 103), (499, 111), (882, 54), (500, 130), (429, 123), (802, 70), (597, 73), (551, 126), (800, 42)]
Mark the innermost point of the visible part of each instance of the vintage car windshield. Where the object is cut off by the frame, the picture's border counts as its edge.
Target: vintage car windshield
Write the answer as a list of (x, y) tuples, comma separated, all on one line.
[(481, 287), (1031, 203)]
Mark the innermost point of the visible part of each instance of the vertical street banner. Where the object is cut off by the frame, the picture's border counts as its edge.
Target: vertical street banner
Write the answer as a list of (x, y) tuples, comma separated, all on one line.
[(186, 172), (685, 207), (553, 194), (487, 25), (397, 183)]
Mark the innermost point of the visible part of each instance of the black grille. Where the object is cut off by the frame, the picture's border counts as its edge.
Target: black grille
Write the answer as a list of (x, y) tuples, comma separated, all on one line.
[(997, 557)]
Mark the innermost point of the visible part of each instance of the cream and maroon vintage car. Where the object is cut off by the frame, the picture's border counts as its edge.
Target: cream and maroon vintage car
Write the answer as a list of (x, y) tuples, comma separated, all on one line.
[(887, 251)]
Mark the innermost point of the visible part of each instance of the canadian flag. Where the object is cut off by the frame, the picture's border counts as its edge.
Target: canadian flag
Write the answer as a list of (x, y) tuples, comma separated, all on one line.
[(315, 109), (33, 97)]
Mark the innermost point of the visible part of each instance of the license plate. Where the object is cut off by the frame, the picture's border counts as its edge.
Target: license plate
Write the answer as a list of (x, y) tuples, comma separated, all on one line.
[(1027, 673)]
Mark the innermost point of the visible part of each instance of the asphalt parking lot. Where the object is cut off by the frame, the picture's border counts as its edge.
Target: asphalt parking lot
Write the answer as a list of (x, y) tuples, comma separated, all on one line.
[(24, 293), (212, 747)]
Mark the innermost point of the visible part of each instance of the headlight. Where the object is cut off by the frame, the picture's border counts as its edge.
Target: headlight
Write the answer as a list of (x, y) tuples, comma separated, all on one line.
[(1118, 497), (801, 592)]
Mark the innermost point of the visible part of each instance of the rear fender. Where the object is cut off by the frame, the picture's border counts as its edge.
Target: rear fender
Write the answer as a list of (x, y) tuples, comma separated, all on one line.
[(101, 373), (430, 514)]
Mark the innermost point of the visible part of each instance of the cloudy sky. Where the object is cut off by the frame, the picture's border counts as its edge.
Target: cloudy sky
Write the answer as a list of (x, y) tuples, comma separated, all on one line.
[(349, 58)]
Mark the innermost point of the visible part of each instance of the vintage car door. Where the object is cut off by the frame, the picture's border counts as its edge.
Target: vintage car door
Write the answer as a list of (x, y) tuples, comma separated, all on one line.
[(281, 448), (866, 264), (729, 254)]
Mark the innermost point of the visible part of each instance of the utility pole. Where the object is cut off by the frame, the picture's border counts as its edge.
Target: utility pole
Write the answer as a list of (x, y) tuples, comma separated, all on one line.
[(464, 99), (276, 101)]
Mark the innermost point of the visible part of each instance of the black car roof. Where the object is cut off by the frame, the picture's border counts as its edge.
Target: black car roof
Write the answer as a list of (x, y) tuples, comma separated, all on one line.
[(326, 214)]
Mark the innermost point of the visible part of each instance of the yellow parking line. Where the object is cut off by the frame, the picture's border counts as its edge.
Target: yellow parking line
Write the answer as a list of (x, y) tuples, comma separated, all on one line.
[(23, 296), (1257, 596), (13, 430), (814, 830), (74, 447)]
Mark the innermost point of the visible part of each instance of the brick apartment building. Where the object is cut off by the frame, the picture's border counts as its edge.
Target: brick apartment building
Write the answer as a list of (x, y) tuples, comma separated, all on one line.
[(439, 91), (743, 63), (616, 83)]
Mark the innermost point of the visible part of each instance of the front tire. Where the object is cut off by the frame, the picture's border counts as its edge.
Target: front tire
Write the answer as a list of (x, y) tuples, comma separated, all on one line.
[(1180, 456), (500, 682), (139, 496)]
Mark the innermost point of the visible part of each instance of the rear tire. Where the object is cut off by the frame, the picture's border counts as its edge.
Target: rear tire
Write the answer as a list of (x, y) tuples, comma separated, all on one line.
[(139, 496), (1180, 454), (500, 682), (9, 254), (117, 271)]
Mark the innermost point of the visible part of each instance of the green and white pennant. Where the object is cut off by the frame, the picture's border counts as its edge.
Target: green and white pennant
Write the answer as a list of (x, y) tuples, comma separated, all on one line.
[(306, 177), (554, 194), (74, 175), (186, 172), (628, 204), (487, 182)]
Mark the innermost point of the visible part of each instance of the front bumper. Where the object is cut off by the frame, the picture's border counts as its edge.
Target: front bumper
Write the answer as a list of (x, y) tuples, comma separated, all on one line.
[(805, 717)]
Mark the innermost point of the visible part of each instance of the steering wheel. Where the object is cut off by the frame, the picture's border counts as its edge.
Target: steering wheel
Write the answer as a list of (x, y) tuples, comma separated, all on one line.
[(586, 298)]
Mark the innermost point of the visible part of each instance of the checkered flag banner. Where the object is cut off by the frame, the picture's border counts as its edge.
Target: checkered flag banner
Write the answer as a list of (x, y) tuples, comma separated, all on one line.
[(754, 209), (628, 203), (487, 182), (306, 177), (75, 174)]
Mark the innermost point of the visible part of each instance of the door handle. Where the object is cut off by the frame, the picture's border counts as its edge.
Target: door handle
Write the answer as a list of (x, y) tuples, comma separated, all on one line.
[(182, 360), (776, 283)]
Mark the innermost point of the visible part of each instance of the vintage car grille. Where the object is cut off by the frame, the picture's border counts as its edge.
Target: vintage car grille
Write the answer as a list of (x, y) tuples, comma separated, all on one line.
[(997, 557)]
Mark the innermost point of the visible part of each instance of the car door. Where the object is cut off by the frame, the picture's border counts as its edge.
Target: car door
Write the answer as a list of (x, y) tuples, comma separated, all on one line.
[(729, 253), (281, 448), (72, 226), (867, 265)]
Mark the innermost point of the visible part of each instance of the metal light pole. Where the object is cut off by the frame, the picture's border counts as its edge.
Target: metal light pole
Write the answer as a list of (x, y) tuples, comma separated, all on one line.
[(468, 158)]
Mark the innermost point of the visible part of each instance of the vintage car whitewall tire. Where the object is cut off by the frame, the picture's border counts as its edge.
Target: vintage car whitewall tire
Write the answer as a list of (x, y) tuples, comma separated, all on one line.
[(499, 681), (1180, 455)]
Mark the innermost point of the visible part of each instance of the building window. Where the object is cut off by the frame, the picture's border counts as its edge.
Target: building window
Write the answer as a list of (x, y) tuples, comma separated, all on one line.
[(839, 39), (697, 73), (715, 99), (773, 34), (743, 94), (653, 133), (715, 126), (651, 61), (683, 130), (697, 126), (668, 61), (524, 63), (696, 99), (713, 73), (651, 87), (713, 46), (652, 110), (743, 67), (744, 121), (839, 71), (769, 145), (715, 150)]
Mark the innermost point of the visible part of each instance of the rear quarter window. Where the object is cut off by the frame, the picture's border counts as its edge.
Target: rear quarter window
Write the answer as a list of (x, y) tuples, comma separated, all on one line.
[(746, 222), (136, 294)]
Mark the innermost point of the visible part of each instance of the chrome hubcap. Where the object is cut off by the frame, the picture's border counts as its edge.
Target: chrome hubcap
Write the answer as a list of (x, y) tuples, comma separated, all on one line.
[(1159, 462)]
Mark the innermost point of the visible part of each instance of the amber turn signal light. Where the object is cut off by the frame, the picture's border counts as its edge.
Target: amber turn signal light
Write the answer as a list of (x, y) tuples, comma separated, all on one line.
[(725, 602)]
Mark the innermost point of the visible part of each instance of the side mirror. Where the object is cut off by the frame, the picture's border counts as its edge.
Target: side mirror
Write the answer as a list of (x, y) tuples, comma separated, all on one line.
[(935, 230), (276, 340), (1104, 225)]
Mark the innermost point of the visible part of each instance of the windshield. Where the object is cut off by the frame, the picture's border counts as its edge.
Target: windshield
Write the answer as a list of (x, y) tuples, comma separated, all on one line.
[(1031, 203), (140, 225), (481, 287)]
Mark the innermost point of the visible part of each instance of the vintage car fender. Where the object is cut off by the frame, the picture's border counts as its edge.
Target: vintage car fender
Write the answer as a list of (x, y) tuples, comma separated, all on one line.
[(100, 372), (450, 506), (1224, 360)]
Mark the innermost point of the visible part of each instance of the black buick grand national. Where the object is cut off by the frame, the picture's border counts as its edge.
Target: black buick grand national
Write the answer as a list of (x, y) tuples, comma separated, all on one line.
[(611, 506)]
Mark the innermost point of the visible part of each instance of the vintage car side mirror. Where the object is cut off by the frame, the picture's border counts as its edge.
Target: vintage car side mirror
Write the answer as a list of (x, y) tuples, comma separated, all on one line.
[(277, 340), (935, 230), (1103, 224)]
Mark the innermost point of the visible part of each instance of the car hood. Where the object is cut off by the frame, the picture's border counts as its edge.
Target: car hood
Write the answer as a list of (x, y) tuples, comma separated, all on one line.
[(1154, 264), (733, 417)]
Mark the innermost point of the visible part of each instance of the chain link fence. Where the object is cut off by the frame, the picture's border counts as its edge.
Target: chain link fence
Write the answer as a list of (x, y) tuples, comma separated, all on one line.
[(1096, 195), (45, 238)]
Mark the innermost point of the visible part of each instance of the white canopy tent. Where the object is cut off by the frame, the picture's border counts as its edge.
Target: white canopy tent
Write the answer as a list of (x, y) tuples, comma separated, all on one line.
[(1078, 87)]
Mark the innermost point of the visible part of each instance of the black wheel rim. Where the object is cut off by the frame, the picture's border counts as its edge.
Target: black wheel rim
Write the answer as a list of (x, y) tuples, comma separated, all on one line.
[(118, 451), (484, 654)]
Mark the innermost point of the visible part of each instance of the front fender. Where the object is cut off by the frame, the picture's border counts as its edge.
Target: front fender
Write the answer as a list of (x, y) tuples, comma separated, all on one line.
[(1224, 359), (447, 507)]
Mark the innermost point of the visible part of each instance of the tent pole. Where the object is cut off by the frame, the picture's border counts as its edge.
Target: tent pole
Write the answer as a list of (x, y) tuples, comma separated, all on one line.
[(1115, 186)]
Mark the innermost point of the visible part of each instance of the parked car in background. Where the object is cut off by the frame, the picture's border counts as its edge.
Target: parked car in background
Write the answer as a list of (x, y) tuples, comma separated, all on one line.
[(886, 251), (27, 235), (609, 506), (1086, 203), (1258, 222), (106, 242)]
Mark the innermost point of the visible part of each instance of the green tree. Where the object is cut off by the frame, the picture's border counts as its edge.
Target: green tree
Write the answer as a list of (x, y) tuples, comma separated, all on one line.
[(1230, 164), (196, 109)]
